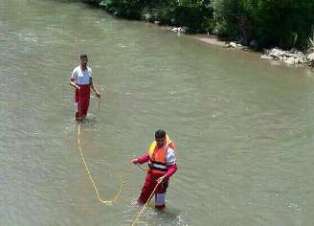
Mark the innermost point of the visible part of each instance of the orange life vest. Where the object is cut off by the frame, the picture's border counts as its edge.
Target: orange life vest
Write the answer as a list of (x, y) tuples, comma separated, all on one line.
[(158, 157)]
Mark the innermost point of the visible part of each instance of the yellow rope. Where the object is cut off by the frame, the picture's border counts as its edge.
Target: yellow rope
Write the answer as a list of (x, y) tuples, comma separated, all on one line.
[(144, 206), (115, 198), (107, 202)]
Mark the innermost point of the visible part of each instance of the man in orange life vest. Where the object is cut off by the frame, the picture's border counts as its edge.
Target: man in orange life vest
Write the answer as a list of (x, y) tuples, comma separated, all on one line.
[(81, 79), (162, 165)]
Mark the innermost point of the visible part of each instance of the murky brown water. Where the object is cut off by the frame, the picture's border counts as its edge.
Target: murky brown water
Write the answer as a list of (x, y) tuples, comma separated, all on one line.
[(243, 127)]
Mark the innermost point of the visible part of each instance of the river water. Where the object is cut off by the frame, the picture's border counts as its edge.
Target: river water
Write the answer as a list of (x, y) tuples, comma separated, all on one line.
[(243, 127)]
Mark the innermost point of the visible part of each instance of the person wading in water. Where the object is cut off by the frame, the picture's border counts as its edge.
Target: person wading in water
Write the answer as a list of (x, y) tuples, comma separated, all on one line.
[(162, 165), (81, 79)]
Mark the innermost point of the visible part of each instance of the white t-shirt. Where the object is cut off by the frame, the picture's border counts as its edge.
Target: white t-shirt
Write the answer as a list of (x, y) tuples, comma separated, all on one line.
[(170, 157), (81, 77)]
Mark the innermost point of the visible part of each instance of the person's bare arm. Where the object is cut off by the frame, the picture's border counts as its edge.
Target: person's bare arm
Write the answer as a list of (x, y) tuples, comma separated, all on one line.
[(94, 88), (72, 83), (72, 80)]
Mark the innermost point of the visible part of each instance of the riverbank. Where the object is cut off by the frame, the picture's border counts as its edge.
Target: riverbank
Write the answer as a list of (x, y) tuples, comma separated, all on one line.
[(215, 20), (287, 57), (263, 24)]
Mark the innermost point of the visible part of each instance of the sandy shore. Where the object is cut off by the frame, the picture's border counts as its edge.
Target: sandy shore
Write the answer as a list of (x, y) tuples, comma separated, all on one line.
[(209, 39)]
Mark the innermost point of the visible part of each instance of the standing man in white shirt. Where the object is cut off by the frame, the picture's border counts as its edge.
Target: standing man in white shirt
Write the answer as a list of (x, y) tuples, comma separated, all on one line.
[(81, 79)]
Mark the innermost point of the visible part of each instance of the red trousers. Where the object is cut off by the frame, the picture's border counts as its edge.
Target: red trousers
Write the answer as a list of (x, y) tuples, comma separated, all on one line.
[(82, 97), (148, 188)]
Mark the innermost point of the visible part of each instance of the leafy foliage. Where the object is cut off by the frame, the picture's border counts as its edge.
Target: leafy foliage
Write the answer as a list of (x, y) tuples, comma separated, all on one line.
[(283, 23)]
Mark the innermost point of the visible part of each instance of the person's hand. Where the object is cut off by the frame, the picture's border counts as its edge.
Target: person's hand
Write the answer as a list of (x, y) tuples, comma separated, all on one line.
[(97, 94), (134, 161), (77, 87), (160, 179)]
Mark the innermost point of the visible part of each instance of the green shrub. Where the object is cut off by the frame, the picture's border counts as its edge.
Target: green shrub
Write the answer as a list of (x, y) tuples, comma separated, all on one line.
[(283, 23)]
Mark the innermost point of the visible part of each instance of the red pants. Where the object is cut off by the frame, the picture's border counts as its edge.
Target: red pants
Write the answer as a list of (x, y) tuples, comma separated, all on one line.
[(82, 96), (148, 187)]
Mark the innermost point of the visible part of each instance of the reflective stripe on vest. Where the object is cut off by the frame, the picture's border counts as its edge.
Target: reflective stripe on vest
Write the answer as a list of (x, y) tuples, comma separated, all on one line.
[(157, 166), (157, 156)]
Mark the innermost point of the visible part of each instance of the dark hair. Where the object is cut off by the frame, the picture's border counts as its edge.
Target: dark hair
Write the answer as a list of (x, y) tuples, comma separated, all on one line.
[(83, 56), (160, 134)]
